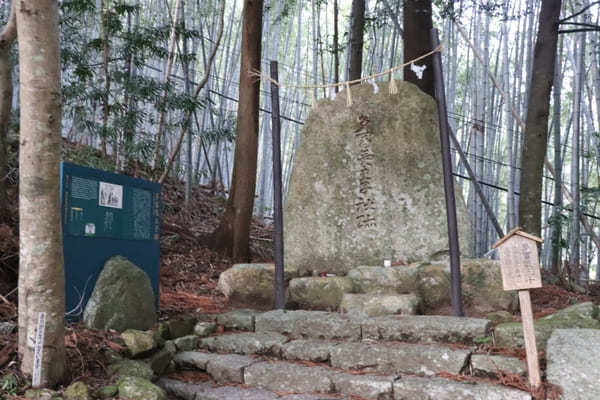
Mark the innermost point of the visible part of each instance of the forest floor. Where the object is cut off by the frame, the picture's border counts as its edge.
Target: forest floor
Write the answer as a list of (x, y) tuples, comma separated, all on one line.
[(189, 274)]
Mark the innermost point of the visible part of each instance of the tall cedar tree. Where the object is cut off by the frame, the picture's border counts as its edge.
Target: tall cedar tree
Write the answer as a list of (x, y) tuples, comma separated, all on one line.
[(357, 28), (417, 41), (536, 125), (7, 37), (232, 236), (41, 272)]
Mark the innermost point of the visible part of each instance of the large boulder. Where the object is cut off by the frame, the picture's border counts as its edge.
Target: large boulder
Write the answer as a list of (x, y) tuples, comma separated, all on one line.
[(580, 316), (573, 362), (122, 298), (368, 178), (322, 293), (250, 284), (481, 286)]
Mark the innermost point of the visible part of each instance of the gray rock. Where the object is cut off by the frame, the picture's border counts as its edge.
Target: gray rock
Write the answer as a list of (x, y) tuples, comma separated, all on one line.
[(192, 359), (321, 293), (416, 388), (140, 342), (310, 324), (160, 361), (583, 315), (491, 364), (308, 397), (573, 363), (366, 279), (207, 391), (345, 180), (425, 328), (399, 358), (186, 343), (170, 347), (364, 386), (135, 388), (250, 284), (288, 377), (374, 304), (177, 328), (203, 329), (242, 320), (228, 368), (6, 328), (122, 298), (131, 368), (308, 350), (244, 343)]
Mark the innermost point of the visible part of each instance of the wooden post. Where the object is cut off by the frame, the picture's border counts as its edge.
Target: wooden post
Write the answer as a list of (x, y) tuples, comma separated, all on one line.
[(533, 365), (521, 271), (277, 202), (440, 94)]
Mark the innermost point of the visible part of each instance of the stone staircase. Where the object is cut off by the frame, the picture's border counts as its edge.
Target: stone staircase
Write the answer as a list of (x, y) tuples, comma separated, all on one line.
[(311, 355)]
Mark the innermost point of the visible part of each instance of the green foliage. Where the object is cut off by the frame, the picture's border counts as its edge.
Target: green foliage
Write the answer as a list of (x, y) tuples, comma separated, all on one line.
[(9, 385), (130, 47)]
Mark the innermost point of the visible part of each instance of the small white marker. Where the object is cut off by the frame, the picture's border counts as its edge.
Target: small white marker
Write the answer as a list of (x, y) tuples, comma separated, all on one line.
[(38, 350)]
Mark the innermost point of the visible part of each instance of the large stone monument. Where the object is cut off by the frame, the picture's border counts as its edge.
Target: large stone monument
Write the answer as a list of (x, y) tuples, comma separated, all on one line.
[(367, 179)]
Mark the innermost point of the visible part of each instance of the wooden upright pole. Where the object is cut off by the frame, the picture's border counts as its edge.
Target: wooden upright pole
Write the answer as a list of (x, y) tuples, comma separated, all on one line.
[(456, 290), (277, 203), (533, 365)]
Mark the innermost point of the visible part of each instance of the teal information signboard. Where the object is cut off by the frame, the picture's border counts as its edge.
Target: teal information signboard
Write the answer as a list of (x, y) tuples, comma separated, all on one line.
[(105, 215)]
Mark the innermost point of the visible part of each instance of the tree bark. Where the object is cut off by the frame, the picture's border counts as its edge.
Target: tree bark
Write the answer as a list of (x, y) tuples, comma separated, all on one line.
[(7, 38), (233, 234), (357, 28), (536, 125), (41, 273), (417, 25)]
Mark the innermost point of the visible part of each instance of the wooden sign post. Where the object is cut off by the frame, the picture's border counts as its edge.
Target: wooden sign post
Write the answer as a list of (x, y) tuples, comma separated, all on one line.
[(521, 271)]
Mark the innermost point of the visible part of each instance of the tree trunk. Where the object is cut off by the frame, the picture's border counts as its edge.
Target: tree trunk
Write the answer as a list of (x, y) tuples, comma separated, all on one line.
[(41, 273), (357, 27), (233, 234), (536, 125), (417, 26), (7, 37)]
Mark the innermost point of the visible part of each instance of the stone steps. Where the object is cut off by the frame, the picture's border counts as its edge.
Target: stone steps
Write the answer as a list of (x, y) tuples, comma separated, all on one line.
[(266, 379), (320, 355)]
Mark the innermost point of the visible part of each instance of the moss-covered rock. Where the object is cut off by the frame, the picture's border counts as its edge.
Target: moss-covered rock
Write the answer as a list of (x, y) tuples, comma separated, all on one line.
[(481, 286), (250, 284), (140, 342), (323, 293), (582, 316), (107, 391), (364, 179), (131, 368), (122, 298), (173, 329), (42, 394), (135, 388), (77, 391)]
